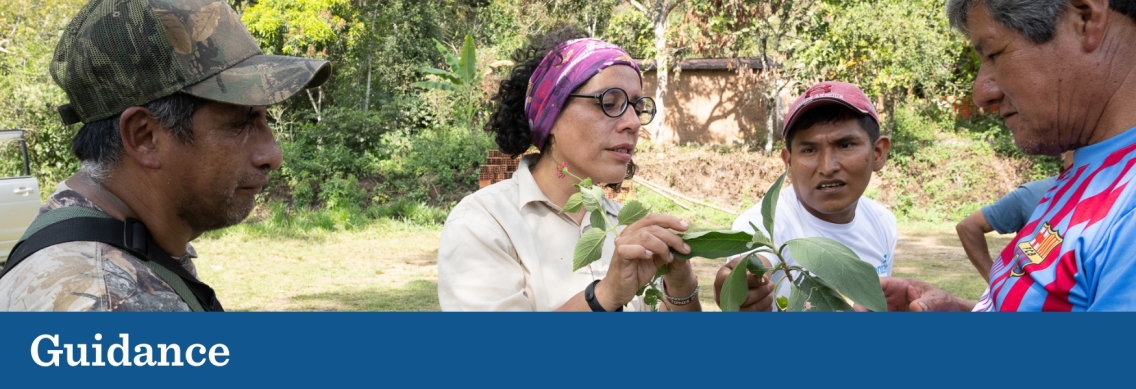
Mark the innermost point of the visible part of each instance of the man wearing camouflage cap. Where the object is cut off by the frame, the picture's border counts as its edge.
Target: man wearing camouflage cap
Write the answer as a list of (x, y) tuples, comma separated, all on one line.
[(175, 142)]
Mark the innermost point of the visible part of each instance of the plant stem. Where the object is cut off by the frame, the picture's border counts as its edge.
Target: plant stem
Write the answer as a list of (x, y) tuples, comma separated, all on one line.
[(611, 225), (776, 286), (784, 266)]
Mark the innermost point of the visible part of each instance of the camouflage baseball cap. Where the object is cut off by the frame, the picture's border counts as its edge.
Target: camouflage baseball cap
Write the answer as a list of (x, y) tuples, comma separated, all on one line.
[(121, 53)]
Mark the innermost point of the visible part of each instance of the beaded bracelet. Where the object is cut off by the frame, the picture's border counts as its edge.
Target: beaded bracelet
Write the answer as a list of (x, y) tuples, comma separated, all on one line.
[(680, 300)]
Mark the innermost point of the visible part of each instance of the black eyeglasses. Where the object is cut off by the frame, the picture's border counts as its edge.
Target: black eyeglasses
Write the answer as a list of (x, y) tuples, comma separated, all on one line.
[(614, 102)]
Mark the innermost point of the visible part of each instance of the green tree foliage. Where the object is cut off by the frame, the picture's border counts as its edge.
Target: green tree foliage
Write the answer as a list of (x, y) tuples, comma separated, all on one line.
[(461, 79), (505, 24), (631, 30), (29, 31), (718, 29), (303, 27), (399, 39), (893, 49)]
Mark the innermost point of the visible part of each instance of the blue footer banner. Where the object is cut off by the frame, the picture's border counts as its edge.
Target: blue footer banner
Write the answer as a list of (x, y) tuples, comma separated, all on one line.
[(564, 350)]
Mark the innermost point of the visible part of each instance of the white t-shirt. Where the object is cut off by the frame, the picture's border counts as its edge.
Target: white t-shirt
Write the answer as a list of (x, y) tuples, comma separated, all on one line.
[(871, 235)]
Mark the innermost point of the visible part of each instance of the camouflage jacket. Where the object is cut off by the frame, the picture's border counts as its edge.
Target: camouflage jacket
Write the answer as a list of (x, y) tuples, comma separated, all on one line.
[(87, 276)]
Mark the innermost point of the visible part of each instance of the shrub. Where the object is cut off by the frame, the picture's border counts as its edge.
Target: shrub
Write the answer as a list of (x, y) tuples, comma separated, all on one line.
[(352, 159), (343, 193), (941, 169), (404, 209), (991, 129), (435, 166)]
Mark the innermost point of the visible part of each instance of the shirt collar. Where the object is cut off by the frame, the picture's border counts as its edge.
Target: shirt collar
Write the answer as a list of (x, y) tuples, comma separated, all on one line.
[(1097, 152), (530, 192)]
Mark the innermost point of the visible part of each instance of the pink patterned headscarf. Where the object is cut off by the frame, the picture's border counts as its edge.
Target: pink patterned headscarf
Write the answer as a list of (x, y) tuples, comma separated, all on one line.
[(564, 69)]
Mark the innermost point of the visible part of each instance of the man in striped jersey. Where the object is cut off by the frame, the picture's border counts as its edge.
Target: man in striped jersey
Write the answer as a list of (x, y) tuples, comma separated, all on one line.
[(1063, 75)]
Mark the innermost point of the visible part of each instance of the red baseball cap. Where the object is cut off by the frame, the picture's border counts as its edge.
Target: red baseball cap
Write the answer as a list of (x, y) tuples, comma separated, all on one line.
[(828, 93)]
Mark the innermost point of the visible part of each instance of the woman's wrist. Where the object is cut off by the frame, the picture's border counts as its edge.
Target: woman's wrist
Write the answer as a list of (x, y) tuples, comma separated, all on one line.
[(607, 298), (680, 292), (680, 280)]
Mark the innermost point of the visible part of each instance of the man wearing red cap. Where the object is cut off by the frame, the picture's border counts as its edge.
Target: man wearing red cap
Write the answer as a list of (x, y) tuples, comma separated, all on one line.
[(832, 146)]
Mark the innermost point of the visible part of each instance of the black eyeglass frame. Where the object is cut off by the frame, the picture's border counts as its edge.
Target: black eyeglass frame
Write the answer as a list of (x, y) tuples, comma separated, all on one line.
[(626, 103)]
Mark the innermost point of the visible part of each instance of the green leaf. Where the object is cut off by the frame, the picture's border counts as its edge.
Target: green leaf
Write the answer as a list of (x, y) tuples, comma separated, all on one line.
[(585, 183), (598, 220), (451, 61), (715, 244), (782, 303), (836, 265), (441, 48), (632, 212), (819, 296), (436, 85), (593, 198), (447, 75), (652, 297), (662, 271), (760, 239), (467, 65), (735, 288), (589, 248), (575, 202), (769, 204), (755, 265)]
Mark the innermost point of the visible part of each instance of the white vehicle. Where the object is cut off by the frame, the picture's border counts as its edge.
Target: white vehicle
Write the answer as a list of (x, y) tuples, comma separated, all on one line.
[(19, 197)]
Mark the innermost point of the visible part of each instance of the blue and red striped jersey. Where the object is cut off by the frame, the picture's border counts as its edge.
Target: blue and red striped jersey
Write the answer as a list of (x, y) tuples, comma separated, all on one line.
[(1078, 251)]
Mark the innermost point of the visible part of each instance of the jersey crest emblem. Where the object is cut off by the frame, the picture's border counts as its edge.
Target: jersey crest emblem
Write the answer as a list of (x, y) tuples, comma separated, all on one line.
[(1033, 252)]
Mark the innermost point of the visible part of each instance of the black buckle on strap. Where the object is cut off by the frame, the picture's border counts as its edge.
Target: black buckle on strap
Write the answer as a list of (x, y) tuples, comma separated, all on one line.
[(135, 237)]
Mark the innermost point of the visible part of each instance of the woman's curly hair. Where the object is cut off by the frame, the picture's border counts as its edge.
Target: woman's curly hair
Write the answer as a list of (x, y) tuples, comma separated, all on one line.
[(508, 122)]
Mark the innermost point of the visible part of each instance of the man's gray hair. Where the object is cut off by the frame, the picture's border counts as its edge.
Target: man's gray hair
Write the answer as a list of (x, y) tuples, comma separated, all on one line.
[(98, 145), (1035, 19)]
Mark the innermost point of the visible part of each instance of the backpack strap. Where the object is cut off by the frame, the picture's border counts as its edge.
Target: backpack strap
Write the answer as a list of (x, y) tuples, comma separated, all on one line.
[(78, 224), (24, 249)]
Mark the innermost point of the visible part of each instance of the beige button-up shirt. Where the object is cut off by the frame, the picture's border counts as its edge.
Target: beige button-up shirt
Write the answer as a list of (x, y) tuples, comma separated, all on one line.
[(508, 248)]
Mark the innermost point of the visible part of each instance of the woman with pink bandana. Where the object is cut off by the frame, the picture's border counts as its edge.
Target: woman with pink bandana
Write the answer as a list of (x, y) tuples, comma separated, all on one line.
[(508, 247)]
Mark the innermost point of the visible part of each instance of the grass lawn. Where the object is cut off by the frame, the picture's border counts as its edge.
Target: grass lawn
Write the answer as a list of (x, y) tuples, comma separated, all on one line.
[(390, 265), (387, 266), (932, 253)]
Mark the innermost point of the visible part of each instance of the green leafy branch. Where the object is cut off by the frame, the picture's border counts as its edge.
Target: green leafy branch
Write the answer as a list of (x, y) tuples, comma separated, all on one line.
[(830, 275), (462, 78), (590, 246)]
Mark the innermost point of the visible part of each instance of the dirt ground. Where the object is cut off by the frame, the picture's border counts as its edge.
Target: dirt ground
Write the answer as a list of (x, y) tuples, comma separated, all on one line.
[(736, 176), (725, 176), (938, 258)]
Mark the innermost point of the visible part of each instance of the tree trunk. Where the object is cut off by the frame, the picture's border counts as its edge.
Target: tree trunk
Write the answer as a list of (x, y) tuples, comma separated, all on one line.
[(776, 84), (317, 105), (769, 125), (658, 16), (662, 132), (370, 54)]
